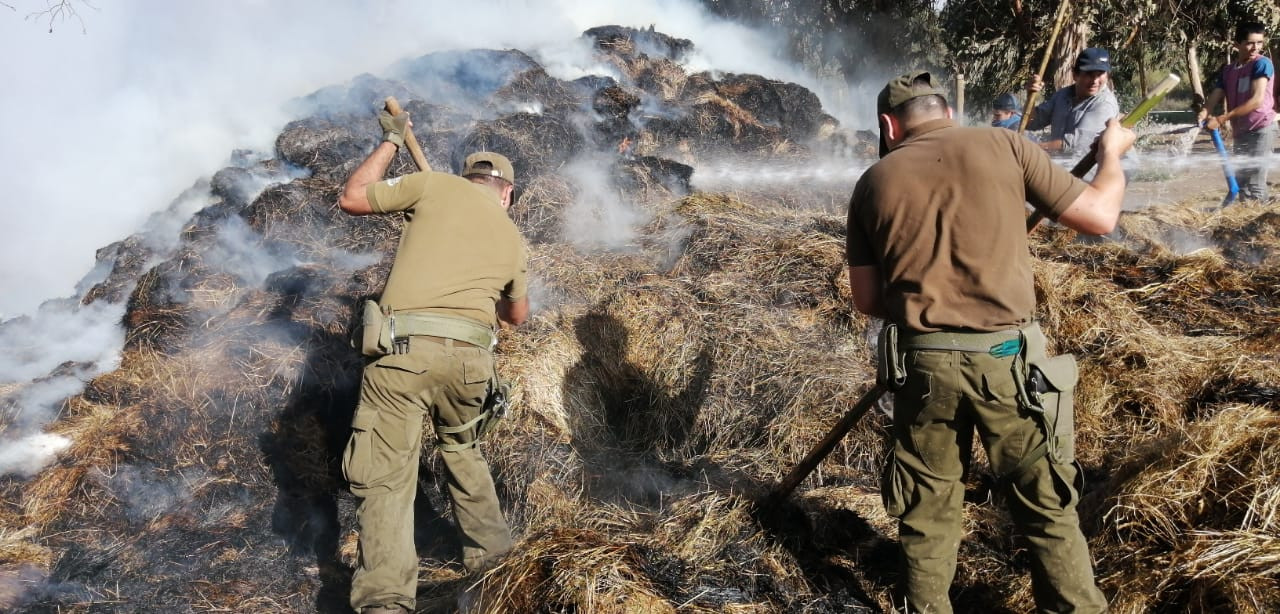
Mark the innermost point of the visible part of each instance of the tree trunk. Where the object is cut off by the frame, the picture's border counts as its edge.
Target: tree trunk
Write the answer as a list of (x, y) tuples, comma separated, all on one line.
[(1142, 72), (1073, 40), (1193, 73)]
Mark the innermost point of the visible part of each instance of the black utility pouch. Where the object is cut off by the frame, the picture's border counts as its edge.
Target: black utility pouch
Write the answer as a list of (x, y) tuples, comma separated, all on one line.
[(495, 407)]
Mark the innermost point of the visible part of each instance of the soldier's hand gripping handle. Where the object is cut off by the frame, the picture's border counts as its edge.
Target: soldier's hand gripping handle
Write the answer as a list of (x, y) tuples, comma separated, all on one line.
[(394, 126), (404, 130)]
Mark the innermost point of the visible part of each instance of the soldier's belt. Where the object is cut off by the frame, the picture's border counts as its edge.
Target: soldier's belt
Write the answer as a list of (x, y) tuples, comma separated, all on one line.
[(999, 344), (410, 323)]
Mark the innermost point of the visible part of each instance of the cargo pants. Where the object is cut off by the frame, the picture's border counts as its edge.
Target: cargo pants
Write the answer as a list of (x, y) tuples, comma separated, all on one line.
[(945, 397), (447, 382)]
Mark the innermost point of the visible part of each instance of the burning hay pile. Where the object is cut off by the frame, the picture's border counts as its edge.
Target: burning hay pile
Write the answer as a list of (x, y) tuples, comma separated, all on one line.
[(671, 375)]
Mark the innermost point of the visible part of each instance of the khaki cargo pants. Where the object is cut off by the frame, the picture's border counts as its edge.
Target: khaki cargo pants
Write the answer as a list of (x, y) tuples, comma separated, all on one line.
[(447, 382), (946, 396)]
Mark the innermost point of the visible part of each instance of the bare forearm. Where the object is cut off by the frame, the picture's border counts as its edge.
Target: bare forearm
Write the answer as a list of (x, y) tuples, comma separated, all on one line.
[(354, 199), (866, 290)]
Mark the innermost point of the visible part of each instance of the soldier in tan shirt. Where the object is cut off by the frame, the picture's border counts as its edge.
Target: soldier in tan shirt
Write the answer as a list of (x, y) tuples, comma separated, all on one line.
[(937, 246), (460, 267)]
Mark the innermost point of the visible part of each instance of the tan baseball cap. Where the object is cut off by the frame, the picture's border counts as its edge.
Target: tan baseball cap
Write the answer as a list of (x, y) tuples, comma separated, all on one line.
[(501, 166)]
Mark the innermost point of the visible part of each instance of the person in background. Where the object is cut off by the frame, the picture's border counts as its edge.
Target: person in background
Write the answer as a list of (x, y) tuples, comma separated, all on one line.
[(1076, 115), (1006, 112), (1246, 86)]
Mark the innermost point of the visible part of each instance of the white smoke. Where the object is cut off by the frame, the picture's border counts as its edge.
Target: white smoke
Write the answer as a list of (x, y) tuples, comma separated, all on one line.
[(600, 216), (27, 456)]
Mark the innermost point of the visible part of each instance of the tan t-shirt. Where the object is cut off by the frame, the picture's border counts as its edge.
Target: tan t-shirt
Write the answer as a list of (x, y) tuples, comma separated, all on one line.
[(459, 251), (943, 218)]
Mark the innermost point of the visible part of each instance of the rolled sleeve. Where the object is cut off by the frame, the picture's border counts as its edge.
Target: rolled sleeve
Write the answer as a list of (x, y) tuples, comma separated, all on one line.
[(398, 193)]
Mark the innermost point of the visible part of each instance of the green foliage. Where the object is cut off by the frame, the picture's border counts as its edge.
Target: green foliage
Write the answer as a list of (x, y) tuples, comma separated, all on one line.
[(999, 42)]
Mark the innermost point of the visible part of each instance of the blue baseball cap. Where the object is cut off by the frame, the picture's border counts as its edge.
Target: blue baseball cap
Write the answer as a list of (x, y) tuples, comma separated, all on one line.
[(1093, 58), (1007, 102)]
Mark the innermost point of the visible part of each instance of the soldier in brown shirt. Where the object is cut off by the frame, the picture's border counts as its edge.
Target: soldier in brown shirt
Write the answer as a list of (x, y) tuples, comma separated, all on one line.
[(937, 246), (460, 267)]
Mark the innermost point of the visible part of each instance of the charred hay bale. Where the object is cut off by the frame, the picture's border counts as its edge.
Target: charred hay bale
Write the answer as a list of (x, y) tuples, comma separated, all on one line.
[(538, 210), (791, 108), (1189, 519), (231, 186), (629, 42), (660, 77), (302, 212), (157, 314), (329, 147), (644, 176), (745, 113), (126, 259), (535, 144), (534, 91), (614, 106), (437, 128)]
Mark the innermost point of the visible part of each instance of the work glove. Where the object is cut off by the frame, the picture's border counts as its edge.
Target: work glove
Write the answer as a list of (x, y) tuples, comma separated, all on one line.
[(394, 126)]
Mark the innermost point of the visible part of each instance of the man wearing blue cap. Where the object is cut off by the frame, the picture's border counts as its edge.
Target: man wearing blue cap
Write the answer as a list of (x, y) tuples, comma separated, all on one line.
[(1006, 112), (1076, 115)]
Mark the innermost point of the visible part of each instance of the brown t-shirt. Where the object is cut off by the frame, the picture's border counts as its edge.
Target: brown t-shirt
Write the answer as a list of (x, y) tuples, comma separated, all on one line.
[(459, 251), (943, 219)]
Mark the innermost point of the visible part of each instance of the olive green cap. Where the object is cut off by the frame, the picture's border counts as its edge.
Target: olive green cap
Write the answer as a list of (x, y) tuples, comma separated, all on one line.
[(914, 84), (501, 166)]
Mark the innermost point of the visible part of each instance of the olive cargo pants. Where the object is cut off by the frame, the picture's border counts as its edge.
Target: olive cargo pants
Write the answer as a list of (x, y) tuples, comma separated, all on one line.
[(447, 382), (946, 396)]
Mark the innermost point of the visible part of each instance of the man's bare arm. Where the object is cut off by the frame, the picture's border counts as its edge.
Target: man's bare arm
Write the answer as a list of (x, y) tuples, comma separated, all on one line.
[(354, 198), (867, 288), (1210, 103), (1096, 210)]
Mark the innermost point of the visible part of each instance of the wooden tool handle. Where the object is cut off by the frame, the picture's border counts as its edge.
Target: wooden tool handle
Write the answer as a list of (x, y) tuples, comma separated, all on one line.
[(393, 107), (1063, 9)]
